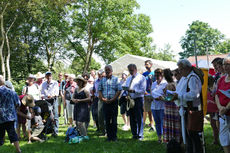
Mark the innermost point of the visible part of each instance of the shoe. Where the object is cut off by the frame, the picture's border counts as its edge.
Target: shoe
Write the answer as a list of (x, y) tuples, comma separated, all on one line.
[(151, 129), (125, 128), (54, 135)]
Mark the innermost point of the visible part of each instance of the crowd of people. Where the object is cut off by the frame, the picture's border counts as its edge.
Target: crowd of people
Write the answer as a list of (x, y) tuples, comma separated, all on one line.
[(158, 94)]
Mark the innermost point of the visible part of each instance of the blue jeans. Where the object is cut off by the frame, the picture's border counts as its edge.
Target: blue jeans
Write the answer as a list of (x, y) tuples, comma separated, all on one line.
[(136, 118), (158, 116), (56, 117)]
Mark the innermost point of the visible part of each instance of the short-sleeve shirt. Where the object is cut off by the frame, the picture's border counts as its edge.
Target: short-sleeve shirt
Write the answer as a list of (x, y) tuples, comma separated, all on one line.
[(149, 76), (8, 102), (225, 86), (109, 87)]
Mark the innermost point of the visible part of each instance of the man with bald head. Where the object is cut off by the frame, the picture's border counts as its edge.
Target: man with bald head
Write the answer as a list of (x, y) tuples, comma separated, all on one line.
[(109, 89)]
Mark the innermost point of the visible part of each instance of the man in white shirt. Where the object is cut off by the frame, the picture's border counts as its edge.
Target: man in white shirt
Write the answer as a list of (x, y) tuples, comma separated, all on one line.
[(137, 86), (50, 92), (188, 92)]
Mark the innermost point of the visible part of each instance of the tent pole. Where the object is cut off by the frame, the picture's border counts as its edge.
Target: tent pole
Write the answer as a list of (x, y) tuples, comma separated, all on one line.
[(195, 52)]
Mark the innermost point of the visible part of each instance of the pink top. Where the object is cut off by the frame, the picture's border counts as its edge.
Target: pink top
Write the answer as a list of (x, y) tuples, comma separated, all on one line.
[(222, 85)]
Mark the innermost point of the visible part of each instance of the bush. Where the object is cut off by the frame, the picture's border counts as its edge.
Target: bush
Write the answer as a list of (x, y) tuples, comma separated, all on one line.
[(18, 86)]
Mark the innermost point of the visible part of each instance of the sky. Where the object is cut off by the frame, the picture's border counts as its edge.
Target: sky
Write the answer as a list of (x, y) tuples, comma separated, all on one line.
[(170, 18)]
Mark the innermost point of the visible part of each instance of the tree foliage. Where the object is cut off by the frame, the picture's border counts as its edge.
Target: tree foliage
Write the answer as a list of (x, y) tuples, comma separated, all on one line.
[(203, 35), (108, 28)]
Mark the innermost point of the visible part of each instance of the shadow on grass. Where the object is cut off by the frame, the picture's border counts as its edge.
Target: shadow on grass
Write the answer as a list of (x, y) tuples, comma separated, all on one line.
[(125, 144)]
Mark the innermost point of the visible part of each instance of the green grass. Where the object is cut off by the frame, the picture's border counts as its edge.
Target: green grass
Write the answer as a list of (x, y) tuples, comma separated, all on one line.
[(98, 145)]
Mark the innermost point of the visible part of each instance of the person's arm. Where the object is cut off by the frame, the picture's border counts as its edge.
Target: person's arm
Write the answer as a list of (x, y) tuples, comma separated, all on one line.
[(56, 89), (119, 89), (64, 99), (43, 91), (87, 99), (195, 89)]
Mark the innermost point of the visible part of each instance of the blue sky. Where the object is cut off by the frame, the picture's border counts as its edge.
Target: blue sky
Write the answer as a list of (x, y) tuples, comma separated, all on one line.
[(170, 18)]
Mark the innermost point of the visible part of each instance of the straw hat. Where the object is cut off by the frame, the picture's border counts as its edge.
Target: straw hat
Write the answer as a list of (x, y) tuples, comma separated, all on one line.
[(39, 75), (28, 100), (71, 76), (31, 76), (79, 77)]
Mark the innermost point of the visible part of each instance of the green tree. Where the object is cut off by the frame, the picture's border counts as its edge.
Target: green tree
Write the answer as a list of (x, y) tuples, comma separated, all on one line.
[(165, 54), (77, 65), (201, 34), (108, 28), (223, 47)]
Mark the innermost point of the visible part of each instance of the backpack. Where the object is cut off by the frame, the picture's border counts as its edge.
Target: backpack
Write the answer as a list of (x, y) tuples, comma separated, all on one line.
[(71, 133), (199, 73)]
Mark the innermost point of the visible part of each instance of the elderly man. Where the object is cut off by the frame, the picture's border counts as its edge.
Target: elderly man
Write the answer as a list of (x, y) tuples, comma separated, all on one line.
[(8, 103), (50, 92), (189, 92), (109, 89), (136, 84)]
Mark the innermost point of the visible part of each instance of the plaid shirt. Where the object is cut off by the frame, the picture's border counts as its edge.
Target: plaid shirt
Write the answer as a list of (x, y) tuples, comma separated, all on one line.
[(109, 87), (8, 102)]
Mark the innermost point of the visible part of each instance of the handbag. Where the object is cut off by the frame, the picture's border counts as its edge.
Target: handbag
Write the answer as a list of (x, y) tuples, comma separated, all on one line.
[(130, 101), (195, 117)]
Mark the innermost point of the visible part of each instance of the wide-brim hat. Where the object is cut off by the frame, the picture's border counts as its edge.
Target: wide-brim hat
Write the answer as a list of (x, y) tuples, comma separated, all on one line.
[(28, 100), (100, 71), (71, 76), (31, 76), (39, 75), (79, 77)]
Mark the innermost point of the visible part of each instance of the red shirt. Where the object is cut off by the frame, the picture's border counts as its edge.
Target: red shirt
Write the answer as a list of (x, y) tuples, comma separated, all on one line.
[(222, 85), (211, 105)]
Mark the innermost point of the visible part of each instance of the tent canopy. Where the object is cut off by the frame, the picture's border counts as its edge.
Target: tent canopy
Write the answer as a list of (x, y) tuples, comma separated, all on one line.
[(120, 65)]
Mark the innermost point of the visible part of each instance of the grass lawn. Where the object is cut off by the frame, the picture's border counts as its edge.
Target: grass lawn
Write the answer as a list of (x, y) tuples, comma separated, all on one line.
[(98, 145)]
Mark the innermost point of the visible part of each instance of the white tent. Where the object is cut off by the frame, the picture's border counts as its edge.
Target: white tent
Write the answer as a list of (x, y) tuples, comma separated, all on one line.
[(121, 64)]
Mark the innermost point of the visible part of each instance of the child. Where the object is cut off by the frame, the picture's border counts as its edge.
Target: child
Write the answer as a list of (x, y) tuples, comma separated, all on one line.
[(37, 125)]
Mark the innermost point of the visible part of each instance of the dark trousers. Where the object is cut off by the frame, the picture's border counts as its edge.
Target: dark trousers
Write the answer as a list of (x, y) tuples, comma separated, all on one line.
[(95, 110), (9, 127), (110, 114), (136, 118), (192, 139)]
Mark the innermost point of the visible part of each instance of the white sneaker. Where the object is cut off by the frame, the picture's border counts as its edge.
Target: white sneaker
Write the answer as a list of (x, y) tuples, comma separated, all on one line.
[(125, 128)]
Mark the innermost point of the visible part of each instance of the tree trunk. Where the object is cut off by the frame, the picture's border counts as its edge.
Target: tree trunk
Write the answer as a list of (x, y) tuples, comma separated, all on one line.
[(1, 47), (8, 59), (48, 56)]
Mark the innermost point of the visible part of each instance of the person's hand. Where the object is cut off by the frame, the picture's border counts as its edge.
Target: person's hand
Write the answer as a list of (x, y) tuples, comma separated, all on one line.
[(104, 99), (131, 91), (75, 100), (175, 97), (65, 104), (49, 97)]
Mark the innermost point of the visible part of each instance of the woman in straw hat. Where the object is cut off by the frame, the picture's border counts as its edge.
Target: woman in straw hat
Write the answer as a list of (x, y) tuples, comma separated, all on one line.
[(81, 97)]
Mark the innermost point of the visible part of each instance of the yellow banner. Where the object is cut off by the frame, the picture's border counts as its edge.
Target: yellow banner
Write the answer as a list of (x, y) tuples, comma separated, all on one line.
[(205, 89)]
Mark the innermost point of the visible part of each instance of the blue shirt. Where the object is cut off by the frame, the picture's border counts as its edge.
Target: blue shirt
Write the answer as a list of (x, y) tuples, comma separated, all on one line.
[(8, 102), (95, 87), (109, 87), (150, 78)]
